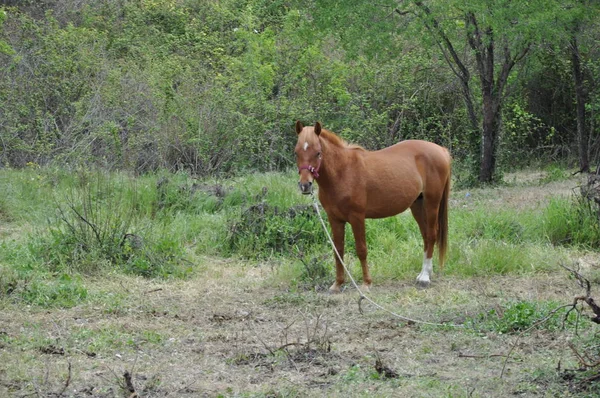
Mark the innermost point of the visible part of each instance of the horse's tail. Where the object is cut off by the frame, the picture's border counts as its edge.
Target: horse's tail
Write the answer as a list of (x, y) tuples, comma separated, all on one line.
[(442, 235)]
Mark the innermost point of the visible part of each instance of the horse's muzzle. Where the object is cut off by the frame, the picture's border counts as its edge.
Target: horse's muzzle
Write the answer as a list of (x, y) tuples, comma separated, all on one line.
[(305, 187)]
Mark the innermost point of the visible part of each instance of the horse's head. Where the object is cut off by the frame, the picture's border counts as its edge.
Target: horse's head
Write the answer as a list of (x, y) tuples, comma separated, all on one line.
[(308, 155)]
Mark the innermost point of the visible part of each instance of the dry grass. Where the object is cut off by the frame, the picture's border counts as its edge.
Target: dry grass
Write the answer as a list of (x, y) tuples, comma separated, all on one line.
[(239, 330), (524, 191), (236, 334)]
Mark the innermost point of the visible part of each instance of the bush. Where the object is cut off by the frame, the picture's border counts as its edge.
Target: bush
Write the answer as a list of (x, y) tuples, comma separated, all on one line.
[(98, 223), (262, 230)]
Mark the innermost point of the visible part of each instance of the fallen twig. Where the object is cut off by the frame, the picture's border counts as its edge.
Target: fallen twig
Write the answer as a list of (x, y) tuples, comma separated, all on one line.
[(67, 382), (461, 355)]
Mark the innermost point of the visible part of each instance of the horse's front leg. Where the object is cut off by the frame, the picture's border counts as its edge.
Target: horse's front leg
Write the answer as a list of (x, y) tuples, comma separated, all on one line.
[(338, 228), (358, 228)]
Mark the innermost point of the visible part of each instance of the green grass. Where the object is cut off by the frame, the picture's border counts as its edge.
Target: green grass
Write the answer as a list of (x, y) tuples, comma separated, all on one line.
[(517, 316), (61, 224)]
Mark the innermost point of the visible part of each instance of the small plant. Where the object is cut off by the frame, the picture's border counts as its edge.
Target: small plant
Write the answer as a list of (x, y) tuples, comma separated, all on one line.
[(498, 226), (65, 291), (555, 173), (518, 316), (316, 270)]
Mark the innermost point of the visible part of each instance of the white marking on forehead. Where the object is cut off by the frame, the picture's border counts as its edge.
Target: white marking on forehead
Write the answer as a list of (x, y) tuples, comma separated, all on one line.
[(305, 145)]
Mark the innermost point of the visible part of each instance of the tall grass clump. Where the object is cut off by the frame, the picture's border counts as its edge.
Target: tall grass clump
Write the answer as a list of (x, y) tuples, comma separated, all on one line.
[(24, 279), (572, 221), (98, 222)]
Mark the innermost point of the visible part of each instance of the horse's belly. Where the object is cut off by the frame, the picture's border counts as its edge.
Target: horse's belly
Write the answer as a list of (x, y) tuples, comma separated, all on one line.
[(387, 204), (388, 209)]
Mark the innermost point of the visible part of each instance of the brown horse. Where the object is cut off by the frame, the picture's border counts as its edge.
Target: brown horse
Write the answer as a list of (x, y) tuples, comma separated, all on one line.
[(355, 184)]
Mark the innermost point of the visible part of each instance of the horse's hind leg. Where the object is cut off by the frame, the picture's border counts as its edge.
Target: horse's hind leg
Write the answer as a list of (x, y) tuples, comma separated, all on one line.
[(420, 216)]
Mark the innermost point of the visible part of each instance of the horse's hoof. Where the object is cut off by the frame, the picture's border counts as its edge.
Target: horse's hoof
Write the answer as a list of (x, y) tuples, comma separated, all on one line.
[(365, 288), (335, 289), (423, 284)]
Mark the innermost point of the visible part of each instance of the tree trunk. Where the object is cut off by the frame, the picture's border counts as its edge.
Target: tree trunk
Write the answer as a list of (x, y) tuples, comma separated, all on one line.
[(489, 138), (582, 137)]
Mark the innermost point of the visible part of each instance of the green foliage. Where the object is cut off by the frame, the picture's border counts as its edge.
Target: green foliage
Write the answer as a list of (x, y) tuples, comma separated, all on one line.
[(517, 316), (97, 223), (555, 172), (498, 226), (317, 271), (39, 288), (522, 132), (263, 230), (4, 46), (63, 291), (572, 221), (213, 88)]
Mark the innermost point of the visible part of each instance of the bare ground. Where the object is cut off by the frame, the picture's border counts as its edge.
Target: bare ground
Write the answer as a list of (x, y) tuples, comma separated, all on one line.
[(232, 334)]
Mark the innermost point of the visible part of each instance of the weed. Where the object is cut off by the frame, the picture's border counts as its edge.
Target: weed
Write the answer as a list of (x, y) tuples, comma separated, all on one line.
[(521, 315), (9, 280), (554, 173), (498, 226), (317, 270), (65, 291), (95, 226)]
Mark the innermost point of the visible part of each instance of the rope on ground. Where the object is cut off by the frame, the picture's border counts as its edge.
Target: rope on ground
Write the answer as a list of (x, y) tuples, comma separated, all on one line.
[(362, 295)]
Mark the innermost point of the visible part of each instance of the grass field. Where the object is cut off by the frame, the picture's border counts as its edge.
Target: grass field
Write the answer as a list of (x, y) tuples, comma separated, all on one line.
[(169, 286)]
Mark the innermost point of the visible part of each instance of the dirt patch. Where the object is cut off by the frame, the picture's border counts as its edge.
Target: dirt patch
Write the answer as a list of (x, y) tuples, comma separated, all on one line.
[(236, 334), (526, 191)]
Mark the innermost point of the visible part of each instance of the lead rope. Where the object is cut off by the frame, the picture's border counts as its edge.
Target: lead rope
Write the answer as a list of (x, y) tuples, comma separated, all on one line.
[(362, 295)]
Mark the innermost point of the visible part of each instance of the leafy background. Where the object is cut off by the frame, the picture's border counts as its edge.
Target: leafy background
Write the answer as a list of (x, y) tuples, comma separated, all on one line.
[(214, 87)]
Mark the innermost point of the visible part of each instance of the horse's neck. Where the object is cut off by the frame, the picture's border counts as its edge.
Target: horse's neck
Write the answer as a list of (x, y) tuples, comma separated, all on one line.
[(335, 160)]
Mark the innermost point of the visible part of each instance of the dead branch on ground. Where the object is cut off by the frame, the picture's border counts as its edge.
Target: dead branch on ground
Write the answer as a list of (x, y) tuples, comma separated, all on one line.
[(587, 298)]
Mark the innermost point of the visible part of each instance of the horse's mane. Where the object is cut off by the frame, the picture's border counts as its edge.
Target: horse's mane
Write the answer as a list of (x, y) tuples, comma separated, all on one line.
[(338, 141)]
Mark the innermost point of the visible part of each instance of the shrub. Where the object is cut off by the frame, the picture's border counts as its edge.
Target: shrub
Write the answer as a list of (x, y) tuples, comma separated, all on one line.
[(98, 223), (262, 230)]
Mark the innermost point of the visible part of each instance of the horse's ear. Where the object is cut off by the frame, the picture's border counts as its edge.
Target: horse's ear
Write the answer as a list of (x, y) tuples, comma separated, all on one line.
[(317, 128), (299, 126)]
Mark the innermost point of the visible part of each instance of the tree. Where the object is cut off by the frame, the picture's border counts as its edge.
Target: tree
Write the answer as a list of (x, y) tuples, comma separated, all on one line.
[(582, 15), (497, 35), (4, 47), (582, 136)]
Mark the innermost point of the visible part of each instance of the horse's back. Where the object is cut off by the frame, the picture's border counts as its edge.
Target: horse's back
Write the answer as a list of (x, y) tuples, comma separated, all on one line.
[(397, 175), (413, 156), (418, 148)]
